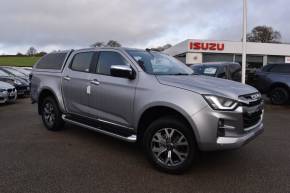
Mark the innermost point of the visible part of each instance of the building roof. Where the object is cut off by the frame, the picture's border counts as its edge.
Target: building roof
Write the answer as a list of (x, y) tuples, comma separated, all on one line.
[(254, 48)]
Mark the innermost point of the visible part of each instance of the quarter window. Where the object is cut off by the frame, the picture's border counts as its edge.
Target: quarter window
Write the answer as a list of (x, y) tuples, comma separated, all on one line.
[(108, 59), (82, 61)]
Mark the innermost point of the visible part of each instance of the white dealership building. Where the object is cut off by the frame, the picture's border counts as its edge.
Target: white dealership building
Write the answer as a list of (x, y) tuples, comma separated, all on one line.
[(195, 51)]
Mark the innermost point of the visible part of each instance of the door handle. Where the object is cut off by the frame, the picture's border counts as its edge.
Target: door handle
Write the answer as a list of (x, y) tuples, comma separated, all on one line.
[(95, 82), (67, 78)]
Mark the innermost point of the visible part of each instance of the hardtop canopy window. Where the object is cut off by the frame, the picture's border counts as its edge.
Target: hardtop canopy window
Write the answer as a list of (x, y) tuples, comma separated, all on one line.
[(52, 61), (158, 63)]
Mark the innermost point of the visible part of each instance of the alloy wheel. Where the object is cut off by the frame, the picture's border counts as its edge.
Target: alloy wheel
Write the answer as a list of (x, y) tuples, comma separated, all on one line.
[(170, 147), (49, 114)]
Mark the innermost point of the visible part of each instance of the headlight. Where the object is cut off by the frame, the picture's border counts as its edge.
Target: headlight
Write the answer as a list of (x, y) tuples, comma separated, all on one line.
[(17, 82), (221, 103), (2, 90)]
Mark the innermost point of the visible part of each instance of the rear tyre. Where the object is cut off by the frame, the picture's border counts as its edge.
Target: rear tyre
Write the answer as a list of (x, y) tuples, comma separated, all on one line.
[(170, 145), (51, 115), (279, 96)]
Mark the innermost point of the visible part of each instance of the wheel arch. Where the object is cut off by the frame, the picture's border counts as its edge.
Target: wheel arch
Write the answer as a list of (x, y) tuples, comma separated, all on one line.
[(45, 92), (278, 84), (152, 113)]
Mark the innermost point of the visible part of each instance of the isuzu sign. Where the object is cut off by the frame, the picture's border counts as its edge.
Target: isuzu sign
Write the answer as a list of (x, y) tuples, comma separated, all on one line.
[(211, 46)]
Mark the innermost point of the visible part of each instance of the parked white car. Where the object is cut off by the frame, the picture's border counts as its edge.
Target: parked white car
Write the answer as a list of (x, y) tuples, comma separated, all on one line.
[(8, 93)]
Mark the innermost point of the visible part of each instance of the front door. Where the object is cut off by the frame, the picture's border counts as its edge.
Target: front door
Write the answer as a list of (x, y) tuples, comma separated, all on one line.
[(112, 97)]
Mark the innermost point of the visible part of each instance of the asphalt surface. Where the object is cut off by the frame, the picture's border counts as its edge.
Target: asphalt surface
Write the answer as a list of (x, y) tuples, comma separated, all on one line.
[(33, 159)]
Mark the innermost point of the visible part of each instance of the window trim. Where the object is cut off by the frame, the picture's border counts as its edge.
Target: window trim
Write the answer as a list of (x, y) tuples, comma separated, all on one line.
[(90, 65)]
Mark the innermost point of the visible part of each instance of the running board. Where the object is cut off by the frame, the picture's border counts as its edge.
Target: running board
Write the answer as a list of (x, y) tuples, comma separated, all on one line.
[(132, 138)]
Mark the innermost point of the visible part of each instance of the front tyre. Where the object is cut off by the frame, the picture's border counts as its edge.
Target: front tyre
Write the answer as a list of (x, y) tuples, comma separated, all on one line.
[(170, 145), (51, 115)]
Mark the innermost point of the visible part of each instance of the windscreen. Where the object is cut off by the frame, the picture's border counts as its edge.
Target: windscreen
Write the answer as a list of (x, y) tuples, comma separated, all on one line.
[(3, 73), (159, 64), (14, 72), (205, 70)]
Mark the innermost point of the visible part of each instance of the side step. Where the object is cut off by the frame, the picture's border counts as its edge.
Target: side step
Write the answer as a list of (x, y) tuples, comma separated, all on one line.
[(110, 132)]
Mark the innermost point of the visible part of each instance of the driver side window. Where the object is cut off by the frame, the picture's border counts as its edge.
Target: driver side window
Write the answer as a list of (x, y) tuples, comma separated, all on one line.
[(108, 59)]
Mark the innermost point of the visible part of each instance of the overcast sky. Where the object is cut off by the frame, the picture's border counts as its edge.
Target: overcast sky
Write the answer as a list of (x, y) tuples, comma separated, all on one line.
[(62, 24)]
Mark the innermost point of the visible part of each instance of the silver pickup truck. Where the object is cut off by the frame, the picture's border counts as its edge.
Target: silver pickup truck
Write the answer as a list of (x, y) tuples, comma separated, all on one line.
[(149, 97)]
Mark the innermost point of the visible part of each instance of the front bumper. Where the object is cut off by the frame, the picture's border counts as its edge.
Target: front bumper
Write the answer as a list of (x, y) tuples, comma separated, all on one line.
[(8, 97), (238, 127), (236, 142), (23, 90)]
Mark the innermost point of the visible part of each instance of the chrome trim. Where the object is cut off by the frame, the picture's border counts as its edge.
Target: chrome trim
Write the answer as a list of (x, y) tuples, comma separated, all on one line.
[(67, 78), (116, 124), (95, 82), (101, 120), (132, 138), (254, 97), (121, 67), (238, 141), (228, 127), (256, 125)]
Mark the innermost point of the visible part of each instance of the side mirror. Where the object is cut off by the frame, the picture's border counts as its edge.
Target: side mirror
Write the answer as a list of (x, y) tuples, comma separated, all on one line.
[(122, 71)]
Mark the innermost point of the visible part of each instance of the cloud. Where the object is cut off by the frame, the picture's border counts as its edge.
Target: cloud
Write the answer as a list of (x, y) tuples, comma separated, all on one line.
[(140, 23)]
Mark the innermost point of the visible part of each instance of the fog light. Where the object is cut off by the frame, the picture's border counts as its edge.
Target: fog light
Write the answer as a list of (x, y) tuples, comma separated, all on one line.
[(221, 129)]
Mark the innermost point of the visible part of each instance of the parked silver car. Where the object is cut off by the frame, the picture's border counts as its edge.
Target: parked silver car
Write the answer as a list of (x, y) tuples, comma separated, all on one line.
[(8, 93), (146, 96)]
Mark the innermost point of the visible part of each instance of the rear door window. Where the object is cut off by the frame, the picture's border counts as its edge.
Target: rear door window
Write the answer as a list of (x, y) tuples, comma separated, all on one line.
[(51, 61), (82, 61)]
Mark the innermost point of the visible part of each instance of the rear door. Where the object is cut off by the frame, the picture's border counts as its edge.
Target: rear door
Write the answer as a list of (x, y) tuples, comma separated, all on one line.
[(112, 98), (76, 83)]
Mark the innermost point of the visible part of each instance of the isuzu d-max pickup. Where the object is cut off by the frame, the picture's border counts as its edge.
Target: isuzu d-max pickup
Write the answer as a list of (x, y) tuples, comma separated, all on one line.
[(148, 97)]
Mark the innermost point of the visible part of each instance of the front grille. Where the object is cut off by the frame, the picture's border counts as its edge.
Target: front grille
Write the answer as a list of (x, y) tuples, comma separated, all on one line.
[(252, 103), (9, 90), (251, 119), (251, 100)]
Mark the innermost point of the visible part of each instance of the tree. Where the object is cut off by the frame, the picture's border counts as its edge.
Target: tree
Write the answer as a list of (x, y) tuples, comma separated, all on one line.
[(40, 54), (110, 43), (31, 51), (98, 44), (113, 43), (162, 48), (264, 34)]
